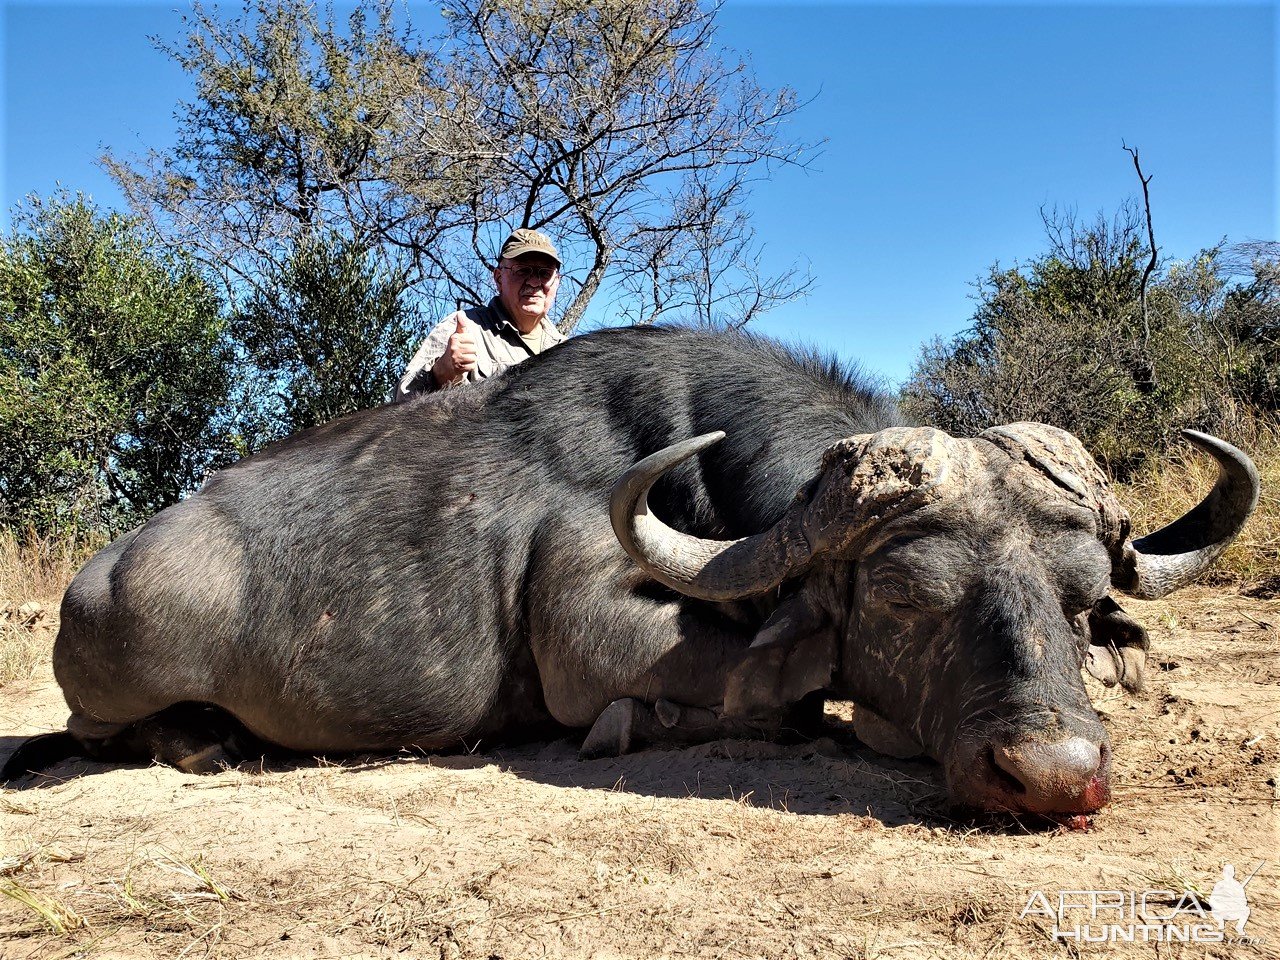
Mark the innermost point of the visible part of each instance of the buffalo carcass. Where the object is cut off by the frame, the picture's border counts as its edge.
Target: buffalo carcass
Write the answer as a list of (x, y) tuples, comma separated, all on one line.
[(455, 570)]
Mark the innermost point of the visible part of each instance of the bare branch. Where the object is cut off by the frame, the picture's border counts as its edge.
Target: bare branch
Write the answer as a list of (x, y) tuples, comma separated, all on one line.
[(1151, 239), (598, 123)]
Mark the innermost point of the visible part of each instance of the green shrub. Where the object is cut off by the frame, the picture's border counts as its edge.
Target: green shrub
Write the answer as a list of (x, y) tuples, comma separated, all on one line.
[(114, 372)]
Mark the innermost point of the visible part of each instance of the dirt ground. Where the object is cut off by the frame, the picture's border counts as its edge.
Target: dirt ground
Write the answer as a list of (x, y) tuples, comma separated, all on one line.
[(731, 849)]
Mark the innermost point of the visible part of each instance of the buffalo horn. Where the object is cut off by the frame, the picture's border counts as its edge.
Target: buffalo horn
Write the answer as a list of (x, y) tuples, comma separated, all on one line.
[(1173, 556), (707, 569)]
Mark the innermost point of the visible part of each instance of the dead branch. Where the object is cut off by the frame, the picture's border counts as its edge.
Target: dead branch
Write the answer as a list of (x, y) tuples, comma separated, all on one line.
[(1151, 261)]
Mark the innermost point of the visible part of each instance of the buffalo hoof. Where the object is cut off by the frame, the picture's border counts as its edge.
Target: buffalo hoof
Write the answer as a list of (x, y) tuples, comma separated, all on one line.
[(211, 759), (611, 734), (883, 737)]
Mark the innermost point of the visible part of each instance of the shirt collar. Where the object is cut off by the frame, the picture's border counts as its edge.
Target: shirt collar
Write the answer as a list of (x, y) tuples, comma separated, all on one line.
[(505, 321)]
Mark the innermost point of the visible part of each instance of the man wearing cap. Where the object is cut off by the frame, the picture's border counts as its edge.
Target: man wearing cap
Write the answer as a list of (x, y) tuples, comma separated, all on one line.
[(470, 345)]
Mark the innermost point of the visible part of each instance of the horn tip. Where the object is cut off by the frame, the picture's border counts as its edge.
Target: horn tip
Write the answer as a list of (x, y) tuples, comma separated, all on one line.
[(703, 441), (1218, 448)]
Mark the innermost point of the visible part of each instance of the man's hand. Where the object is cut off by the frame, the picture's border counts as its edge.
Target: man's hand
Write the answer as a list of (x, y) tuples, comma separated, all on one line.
[(459, 357)]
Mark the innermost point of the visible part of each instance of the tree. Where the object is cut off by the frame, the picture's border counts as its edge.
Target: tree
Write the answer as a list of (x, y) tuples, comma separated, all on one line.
[(1046, 341), (284, 142), (710, 274), (616, 126), (1251, 316), (328, 332), (1068, 340), (114, 372), (1228, 299)]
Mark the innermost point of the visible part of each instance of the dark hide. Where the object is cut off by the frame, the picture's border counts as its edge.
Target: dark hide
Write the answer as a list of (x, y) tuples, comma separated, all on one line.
[(447, 571), (443, 571)]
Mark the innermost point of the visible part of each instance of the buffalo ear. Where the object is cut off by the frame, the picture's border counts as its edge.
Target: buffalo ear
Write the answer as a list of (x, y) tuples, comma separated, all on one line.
[(793, 655), (1118, 646)]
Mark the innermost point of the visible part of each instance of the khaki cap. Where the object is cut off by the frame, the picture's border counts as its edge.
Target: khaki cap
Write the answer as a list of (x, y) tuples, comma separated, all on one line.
[(524, 241)]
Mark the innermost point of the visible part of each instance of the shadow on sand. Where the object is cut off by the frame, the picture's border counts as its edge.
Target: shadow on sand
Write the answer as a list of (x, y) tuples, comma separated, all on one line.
[(832, 775)]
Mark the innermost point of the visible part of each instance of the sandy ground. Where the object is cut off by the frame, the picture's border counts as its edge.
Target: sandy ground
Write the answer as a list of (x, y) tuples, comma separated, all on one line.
[(731, 849)]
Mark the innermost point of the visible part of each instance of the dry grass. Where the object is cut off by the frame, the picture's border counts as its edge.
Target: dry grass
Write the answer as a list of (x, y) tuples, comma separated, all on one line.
[(22, 648), (52, 913), (33, 575), (169, 897), (1177, 482), (32, 568)]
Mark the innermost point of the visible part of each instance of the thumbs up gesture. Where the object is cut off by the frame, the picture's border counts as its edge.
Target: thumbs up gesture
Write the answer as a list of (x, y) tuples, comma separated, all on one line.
[(459, 357)]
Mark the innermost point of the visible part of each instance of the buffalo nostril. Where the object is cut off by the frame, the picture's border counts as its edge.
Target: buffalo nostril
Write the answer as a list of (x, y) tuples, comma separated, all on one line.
[(1067, 776)]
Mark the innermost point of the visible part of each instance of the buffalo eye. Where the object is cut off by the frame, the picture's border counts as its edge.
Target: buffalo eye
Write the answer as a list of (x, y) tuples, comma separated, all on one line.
[(926, 579), (1082, 571), (1078, 598), (893, 593)]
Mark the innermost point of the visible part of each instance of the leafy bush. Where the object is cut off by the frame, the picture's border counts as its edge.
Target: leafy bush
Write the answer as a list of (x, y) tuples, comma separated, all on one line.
[(327, 333), (1065, 340), (114, 372)]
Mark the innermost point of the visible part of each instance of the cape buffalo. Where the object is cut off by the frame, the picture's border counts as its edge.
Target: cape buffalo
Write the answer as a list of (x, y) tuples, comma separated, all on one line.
[(490, 563)]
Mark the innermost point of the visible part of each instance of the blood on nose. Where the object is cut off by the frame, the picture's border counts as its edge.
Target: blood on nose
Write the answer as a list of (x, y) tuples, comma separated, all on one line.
[(1068, 776)]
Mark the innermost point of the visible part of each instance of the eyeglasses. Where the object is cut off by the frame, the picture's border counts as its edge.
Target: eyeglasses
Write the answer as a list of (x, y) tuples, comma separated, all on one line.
[(541, 275)]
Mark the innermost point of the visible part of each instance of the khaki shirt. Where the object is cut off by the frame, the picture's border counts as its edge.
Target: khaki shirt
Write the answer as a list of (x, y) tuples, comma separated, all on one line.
[(498, 345)]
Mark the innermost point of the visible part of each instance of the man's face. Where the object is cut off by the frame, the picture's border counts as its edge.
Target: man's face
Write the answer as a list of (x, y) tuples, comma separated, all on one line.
[(527, 288)]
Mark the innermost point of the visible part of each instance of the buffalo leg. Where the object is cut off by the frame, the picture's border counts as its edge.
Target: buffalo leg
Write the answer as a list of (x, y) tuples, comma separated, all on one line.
[(629, 724), (623, 636), (806, 720), (40, 753), (193, 737)]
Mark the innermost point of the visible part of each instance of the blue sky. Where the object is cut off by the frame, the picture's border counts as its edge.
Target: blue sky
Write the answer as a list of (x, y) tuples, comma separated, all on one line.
[(947, 127)]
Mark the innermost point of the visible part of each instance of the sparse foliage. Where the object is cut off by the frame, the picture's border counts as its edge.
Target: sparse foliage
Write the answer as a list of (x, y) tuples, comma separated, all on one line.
[(617, 127), (285, 141)]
